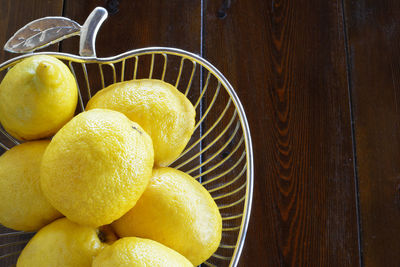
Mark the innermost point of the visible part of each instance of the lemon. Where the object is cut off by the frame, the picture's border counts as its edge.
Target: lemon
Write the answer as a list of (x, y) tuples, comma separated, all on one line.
[(139, 252), (96, 167), (37, 97), (163, 112), (178, 212), (22, 204), (62, 244)]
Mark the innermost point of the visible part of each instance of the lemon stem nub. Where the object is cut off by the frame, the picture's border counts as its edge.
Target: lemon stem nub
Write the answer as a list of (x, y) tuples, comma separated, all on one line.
[(45, 72), (106, 234), (101, 236)]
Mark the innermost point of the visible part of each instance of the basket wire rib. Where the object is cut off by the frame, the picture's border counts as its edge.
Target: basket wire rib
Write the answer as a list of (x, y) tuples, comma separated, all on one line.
[(219, 154)]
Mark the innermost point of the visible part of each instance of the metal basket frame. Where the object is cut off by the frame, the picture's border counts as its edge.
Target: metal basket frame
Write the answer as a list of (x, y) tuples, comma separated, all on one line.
[(185, 56)]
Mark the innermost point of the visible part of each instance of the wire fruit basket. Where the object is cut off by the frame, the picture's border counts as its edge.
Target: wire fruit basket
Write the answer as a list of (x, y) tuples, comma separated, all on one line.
[(219, 154)]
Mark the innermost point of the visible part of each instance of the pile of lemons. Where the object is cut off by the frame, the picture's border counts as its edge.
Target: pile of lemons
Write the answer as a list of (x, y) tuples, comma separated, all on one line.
[(96, 186)]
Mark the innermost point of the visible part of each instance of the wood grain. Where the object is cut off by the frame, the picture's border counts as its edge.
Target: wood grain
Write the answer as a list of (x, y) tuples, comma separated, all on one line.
[(286, 60), (373, 41), (140, 24)]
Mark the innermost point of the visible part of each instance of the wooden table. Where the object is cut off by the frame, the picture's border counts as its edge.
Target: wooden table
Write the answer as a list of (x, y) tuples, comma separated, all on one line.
[(320, 84)]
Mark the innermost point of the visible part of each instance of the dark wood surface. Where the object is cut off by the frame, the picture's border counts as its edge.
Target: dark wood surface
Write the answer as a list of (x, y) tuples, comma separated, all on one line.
[(373, 53), (319, 81), (139, 24), (290, 74)]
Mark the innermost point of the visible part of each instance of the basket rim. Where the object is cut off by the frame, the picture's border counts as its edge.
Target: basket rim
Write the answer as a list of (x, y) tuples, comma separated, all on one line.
[(225, 83)]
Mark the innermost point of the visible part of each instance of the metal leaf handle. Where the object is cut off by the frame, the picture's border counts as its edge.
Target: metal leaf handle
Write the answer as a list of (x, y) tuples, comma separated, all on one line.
[(43, 32)]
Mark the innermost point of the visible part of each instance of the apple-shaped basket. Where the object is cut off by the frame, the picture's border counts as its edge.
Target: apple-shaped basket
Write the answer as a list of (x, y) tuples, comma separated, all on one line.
[(219, 154)]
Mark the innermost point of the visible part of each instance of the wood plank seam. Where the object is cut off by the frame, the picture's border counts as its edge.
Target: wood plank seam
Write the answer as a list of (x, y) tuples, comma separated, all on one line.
[(353, 137)]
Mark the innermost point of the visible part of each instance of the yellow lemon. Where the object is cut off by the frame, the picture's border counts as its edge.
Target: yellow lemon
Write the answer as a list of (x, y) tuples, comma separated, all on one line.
[(22, 204), (138, 252), (96, 167), (37, 97), (163, 112), (63, 244), (178, 212)]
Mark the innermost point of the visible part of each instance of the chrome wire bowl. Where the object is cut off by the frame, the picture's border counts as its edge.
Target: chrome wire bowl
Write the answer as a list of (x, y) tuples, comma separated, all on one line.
[(219, 154)]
